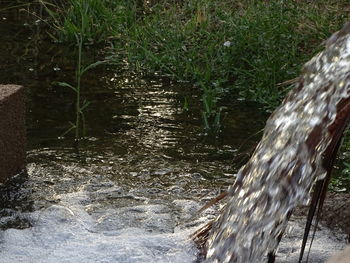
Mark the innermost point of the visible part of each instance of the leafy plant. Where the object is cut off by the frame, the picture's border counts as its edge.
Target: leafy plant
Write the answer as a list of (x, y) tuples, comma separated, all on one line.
[(98, 20)]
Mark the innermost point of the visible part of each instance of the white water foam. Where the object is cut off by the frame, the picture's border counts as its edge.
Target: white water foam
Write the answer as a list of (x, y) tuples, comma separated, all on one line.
[(65, 232)]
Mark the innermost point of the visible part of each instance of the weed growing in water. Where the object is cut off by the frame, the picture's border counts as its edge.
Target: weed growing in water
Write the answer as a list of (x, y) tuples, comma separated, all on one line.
[(211, 113), (244, 48), (248, 47), (78, 23), (80, 105)]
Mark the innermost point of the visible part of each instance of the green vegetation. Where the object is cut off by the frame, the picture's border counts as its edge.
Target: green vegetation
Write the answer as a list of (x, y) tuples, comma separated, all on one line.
[(341, 182), (98, 20), (228, 49), (79, 24), (80, 106), (241, 48)]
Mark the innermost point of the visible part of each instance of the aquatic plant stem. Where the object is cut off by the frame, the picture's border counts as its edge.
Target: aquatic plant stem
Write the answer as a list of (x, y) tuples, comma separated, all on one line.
[(78, 79)]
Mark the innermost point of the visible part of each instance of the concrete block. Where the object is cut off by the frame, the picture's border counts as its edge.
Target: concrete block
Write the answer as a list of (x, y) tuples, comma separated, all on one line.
[(12, 131)]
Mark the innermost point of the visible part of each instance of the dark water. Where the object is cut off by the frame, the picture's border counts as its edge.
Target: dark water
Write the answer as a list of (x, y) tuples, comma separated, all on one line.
[(144, 168)]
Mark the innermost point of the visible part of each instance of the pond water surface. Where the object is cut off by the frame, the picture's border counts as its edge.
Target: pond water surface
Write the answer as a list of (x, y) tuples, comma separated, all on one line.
[(132, 191)]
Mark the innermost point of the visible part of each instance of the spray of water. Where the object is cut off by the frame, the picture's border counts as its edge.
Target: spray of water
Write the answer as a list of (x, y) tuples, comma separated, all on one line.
[(287, 162)]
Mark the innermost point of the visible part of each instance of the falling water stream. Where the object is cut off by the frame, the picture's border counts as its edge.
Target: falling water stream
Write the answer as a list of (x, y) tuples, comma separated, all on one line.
[(288, 159), (132, 191)]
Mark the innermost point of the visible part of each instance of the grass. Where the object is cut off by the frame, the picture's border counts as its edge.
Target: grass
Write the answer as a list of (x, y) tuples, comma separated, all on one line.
[(80, 105), (96, 20), (79, 110), (80, 24), (244, 49), (341, 180), (227, 49), (241, 48)]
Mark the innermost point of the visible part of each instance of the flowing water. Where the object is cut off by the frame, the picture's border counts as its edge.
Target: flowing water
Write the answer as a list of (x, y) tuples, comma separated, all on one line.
[(132, 191), (287, 161), (144, 170)]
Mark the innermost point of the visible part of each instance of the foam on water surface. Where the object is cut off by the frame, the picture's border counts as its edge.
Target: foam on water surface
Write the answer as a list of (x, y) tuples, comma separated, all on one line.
[(81, 228), (65, 232)]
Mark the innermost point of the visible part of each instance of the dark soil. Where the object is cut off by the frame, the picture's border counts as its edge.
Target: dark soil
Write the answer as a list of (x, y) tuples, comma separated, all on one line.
[(335, 212)]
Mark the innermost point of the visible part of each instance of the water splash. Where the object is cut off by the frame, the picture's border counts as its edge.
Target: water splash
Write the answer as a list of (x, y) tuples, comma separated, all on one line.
[(65, 232), (287, 161)]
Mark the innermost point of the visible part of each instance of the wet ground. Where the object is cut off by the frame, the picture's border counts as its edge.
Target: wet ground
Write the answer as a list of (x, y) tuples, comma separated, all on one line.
[(132, 191)]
